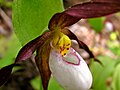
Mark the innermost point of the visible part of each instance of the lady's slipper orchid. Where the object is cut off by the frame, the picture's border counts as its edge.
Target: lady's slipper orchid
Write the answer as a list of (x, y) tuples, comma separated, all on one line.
[(54, 52)]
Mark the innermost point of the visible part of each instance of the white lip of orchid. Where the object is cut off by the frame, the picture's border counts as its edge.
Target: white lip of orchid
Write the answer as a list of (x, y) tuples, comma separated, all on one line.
[(72, 74)]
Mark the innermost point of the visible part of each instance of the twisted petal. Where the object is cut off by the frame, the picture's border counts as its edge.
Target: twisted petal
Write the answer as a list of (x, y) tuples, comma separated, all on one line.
[(30, 47), (23, 54), (82, 45), (61, 20), (95, 8), (71, 71), (42, 61)]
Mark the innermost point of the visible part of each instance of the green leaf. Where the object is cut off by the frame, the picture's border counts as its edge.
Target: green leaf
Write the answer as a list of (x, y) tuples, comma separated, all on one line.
[(36, 83), (97, 23), (30, 18), (53, 84), (116, 78), (102, 73)]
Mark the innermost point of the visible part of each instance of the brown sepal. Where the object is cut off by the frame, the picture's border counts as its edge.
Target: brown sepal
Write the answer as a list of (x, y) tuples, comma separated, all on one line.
[(42, 61), (61, 20)]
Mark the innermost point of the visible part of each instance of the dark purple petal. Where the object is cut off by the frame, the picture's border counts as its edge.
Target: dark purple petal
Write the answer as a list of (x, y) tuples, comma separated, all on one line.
[(106, 1), (29, 48), (82, 45), (5, 73), (42, 61), (85, 47), (95, 8), (61, 20)]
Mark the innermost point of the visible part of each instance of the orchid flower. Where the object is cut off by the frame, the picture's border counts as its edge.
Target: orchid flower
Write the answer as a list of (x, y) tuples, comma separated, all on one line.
[(54, 52)]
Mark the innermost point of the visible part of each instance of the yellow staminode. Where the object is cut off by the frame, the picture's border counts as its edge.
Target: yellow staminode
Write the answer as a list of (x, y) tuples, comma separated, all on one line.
[(62, 43)]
